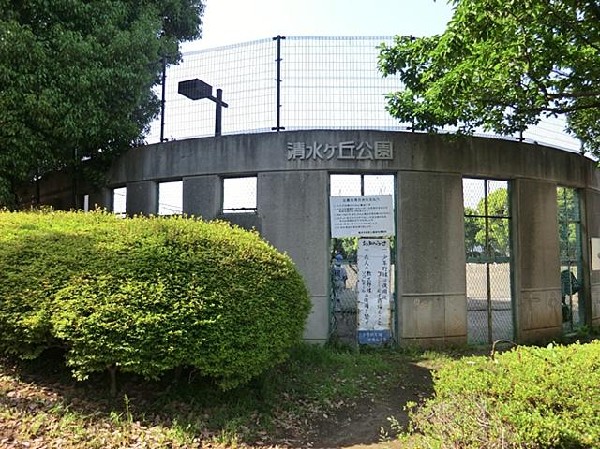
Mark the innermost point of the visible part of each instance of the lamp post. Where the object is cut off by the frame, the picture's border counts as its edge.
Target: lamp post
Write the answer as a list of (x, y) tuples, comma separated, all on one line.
[(196, 90)]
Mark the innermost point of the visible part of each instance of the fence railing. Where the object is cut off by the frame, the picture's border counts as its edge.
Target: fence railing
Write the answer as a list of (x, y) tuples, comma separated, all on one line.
[(290, 83)]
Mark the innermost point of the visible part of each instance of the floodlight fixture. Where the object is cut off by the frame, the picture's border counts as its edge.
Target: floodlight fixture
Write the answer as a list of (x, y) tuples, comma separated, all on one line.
[(196, 90)]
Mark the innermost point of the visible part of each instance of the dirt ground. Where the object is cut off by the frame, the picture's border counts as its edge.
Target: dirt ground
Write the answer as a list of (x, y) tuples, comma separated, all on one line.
[(365, 425), (362, 424)]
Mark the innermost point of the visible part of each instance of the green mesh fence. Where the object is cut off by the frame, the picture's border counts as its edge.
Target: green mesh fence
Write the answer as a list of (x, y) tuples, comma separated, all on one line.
[(488, 255)]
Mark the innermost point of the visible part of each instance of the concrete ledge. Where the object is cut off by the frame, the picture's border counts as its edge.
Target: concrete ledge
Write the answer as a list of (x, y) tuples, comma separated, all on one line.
[(433, 343), (433, 316), (244, 220), (544, 335)]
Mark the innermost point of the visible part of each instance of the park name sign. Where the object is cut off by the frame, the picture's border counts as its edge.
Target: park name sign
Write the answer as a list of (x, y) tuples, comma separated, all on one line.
[(347, 150)]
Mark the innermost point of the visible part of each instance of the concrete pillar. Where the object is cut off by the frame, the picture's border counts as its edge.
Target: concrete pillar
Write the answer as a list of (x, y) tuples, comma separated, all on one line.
[(592, 209), (293, 208), (142, 198), (101, 198), (202, 196), (538, 305), (431, 270)]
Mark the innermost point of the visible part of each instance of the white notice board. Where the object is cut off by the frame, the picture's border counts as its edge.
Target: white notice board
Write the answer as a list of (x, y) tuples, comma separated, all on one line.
[(362, 216), (374, 291)]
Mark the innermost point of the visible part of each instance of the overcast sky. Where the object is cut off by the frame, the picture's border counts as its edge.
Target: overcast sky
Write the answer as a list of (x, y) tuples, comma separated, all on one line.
[(234, 21)]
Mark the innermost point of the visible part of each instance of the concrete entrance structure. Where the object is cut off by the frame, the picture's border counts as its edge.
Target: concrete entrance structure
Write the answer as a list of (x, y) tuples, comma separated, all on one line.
[(293, 168)]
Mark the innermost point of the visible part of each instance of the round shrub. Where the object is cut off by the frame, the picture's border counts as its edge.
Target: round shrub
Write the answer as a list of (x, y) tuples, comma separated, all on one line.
[(146, 295), (528, 397)]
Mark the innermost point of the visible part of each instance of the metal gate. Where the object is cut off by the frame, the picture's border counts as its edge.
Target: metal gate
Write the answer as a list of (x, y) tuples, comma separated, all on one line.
[(488, 254), (569, 235), (344, 276)]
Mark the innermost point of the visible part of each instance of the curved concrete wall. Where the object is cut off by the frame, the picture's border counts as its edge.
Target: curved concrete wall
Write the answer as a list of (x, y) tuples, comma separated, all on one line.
[(293, 171)]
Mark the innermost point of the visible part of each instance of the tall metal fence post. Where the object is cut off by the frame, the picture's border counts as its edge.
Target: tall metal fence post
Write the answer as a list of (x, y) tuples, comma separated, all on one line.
[(163, 100), (278, 126)]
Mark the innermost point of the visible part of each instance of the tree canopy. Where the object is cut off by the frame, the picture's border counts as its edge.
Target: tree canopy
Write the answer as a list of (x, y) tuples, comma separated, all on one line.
[(569, 221), (488, 237), (76, 78), (501, 65)]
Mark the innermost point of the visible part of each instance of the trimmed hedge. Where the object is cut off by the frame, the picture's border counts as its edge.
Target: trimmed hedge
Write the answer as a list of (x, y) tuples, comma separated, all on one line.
[(526, 398), (147, 295)]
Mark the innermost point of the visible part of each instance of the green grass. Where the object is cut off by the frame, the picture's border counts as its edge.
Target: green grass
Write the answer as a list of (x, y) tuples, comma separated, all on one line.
[(40, 402), (529, 397)]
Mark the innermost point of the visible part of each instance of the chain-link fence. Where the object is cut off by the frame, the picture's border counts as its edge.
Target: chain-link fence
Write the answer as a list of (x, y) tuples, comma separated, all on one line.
[(288, 83), (281, 83), (488, 270), (569, 230), (343, 299), (344, 265)]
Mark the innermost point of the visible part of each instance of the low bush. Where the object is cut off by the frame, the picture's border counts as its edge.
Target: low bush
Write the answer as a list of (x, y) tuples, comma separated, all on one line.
[(146, 295), (526, 398)]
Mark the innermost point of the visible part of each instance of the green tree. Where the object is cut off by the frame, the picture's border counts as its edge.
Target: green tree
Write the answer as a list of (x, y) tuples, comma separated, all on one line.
[(76, 79), (493, 233), (501, 65), (568, 224), (472, 227)]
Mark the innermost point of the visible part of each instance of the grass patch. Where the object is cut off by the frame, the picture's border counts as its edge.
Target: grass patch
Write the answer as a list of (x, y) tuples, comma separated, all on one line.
[(528, 397), (41, 404), (317, 391)]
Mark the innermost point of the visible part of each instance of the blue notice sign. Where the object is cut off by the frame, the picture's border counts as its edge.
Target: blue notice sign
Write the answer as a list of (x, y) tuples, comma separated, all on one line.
[(374, 337)]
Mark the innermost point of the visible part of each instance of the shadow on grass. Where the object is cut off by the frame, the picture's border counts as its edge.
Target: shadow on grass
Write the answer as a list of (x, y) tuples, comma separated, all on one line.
[(322, 397)]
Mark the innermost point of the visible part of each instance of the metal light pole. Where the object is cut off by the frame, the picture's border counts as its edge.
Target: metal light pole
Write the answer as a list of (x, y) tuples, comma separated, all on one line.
[(196, 90)]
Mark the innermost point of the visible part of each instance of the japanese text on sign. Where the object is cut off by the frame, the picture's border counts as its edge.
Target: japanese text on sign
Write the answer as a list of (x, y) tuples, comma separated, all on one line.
[(374, 307), (352, 150), (374, 337), (361, 216)]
